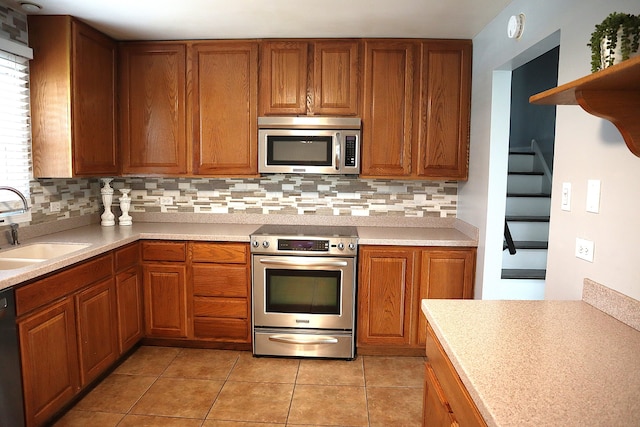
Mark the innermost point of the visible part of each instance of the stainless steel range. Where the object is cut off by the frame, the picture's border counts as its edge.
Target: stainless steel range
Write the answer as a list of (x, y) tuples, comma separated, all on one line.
[(303, 291)]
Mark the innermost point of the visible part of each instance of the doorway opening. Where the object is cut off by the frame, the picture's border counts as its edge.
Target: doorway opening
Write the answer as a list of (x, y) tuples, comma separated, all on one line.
[(529, 172)]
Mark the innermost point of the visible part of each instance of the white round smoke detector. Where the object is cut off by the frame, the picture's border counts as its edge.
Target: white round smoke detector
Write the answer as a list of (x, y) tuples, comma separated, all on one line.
[(515, 27)]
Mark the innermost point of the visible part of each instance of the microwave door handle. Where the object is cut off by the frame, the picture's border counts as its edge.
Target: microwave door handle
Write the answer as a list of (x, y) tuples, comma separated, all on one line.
[(302, 262), (338, 150)]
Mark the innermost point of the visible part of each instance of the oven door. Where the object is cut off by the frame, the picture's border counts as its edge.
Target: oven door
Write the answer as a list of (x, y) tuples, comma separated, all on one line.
[(303, 292)]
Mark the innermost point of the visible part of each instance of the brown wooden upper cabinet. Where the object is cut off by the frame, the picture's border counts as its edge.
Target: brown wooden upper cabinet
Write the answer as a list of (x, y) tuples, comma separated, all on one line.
[(157, 125), (153, 108), (73, 75), (314, 77), (225, 105), (415, 111)]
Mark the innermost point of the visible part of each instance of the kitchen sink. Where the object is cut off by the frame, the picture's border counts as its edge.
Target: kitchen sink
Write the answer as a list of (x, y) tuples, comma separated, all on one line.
[(37, 252)]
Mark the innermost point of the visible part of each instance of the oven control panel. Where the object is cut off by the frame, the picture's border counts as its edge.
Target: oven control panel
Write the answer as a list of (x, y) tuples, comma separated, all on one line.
[(341, 246)]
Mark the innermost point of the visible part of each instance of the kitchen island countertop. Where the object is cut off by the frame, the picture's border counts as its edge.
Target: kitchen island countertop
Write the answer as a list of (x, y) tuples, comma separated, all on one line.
[(541, 363)]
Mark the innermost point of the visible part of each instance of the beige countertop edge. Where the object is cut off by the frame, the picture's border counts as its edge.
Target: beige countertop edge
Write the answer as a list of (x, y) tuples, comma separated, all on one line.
[(103, 239), (582, 374)]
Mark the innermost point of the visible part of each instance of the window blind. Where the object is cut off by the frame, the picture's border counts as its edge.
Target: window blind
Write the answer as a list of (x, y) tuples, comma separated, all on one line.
[(15, 134)]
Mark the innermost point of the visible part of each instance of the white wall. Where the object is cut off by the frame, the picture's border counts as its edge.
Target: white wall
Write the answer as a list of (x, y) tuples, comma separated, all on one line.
[(586, 148)]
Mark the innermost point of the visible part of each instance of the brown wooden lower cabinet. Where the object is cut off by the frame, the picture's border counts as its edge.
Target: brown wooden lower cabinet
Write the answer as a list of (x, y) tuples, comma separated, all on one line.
[(446, 400), (49, 355), (97, 329), (165, 300), (392, 282), (129, 297), (221, 292)]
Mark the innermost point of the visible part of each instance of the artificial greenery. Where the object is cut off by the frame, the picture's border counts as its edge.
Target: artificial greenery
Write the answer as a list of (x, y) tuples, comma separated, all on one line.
[(608, 30)]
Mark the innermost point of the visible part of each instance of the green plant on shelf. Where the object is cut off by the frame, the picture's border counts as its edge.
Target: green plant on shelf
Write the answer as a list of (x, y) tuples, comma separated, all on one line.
[(617, 28)]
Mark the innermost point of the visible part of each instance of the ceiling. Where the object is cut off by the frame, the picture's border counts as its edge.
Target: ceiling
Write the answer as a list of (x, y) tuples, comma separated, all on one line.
[(231, 19)]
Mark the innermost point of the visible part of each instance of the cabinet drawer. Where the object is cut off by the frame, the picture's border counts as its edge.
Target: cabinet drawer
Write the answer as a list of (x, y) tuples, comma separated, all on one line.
[(455, 393), (127, 256), (234, 330), (164, 251), (220, 307), (223, 253), (220, 280), (64, 283)]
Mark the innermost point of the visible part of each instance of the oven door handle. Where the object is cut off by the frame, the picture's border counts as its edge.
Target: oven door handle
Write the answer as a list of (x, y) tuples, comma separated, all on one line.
[(303, 339), (303, 262)]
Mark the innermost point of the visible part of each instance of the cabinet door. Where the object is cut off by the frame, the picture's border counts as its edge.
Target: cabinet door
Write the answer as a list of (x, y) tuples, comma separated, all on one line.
[(93, 95), (129, 306), (385, 295), (283, 78), (335, 78), (153, 109), (165, 300), (444, 110), (96, 323), (388, 108), (444, 273), (435, 410), (49, 356), (224, 105)]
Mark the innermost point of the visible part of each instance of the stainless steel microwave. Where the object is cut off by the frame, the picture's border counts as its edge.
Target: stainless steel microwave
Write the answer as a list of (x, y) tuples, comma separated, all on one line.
[(317, 145)]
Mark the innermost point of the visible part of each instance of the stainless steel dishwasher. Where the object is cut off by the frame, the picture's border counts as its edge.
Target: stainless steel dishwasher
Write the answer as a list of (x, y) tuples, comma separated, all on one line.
[(11, 404)]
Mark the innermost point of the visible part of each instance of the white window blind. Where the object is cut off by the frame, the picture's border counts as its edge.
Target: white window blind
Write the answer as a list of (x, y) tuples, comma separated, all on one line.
[(15, 134)]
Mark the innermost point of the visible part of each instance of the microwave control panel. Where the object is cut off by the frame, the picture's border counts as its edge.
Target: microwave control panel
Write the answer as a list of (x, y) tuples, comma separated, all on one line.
[(351, 142)]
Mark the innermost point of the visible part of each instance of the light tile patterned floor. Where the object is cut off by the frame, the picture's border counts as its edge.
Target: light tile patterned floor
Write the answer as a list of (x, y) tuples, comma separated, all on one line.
[(162, 386)]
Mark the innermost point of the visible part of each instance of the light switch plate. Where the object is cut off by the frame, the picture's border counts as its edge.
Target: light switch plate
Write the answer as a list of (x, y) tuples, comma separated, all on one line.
[(566, 196), (593, 195)]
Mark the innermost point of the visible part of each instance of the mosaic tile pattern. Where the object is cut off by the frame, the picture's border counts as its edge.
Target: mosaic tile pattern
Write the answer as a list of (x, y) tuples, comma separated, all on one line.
[(294, 194), (13, 25), (274, 194), (77, 197)]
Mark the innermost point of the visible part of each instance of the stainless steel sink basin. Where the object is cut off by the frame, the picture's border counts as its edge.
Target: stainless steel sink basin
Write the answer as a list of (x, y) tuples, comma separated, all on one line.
[(37, 252)]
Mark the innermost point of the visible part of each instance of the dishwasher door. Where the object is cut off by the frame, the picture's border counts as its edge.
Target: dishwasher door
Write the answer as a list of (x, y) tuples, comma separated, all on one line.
[(11, 404)]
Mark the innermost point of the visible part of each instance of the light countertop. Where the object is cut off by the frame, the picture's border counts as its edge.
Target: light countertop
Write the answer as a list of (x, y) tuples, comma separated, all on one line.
[(103, 239), (541, 363)]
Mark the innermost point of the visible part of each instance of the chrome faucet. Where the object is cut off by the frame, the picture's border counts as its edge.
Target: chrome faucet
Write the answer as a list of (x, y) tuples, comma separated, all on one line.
[(14, 211)]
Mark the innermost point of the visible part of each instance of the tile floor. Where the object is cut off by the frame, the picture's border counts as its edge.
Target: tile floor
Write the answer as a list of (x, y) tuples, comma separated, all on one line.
[(162, 386)]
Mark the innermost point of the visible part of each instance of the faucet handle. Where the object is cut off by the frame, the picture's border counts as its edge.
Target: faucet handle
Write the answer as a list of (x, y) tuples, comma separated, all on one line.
[(14, 234)]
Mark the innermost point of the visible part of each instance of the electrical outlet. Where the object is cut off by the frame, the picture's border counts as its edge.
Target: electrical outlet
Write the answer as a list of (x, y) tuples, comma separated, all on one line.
[(584, 249), (54, 207), (166, 200)]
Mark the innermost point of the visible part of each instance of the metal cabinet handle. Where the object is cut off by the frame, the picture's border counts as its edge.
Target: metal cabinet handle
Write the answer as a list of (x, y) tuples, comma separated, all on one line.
[(303, 339), (303, 262)]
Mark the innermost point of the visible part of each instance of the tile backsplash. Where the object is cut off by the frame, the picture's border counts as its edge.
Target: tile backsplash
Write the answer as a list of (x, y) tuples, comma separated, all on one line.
[(13, 25), (273, 194)]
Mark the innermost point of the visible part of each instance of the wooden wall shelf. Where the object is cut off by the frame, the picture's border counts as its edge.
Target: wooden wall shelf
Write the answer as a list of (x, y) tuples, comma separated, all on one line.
[(613, 94)]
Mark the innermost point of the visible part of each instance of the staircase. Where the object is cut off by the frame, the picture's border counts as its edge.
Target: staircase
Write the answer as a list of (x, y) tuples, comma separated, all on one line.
[(527, 216)]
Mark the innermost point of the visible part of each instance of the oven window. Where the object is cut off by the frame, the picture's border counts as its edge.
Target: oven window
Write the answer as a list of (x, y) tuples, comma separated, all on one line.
[(310, 292), (299, 150)]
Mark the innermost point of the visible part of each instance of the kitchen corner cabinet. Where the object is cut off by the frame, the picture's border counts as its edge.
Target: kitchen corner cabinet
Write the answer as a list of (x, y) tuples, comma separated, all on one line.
[(66, 326), (129, 296), (309, 77), (446, 401), (416, 108), (73, 111), (224, 105), (393, 280), (221, 292), (153, 108), (165, 289)]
